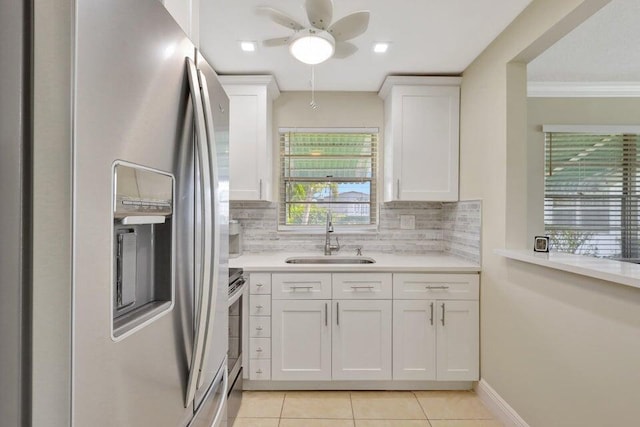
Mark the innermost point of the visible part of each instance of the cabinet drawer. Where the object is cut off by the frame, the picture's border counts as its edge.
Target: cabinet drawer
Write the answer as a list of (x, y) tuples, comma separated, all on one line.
[(260, 305), (260, 369), (362, 285), (436, 286), (260, 348), (301, 286), (260, 283), (259, 326)]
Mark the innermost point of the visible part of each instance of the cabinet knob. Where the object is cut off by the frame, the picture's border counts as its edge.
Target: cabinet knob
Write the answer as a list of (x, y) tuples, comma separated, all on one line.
[(259, 371), (259, 307), (259, 328), (259, 349), (259, 285)]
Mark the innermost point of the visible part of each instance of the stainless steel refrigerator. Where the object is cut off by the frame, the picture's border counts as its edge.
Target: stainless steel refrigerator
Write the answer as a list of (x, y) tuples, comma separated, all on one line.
[(114, 235)]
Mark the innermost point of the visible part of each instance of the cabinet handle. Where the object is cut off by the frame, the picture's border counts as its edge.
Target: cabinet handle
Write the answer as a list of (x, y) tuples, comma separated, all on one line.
[(259, 371), (431, 317), (338, 313), (436, 287), (259, 285), (260, 198), (259, 350), (300, 287), (362, 287), (442, 314), (326, 314), (398, 189), (259, 328), (259, 307)]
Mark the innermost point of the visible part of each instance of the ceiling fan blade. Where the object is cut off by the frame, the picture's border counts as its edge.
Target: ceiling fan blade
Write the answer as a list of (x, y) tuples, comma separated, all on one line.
[(279, 17), (344, 50), (280, 41), (319, 12), (350, 26)]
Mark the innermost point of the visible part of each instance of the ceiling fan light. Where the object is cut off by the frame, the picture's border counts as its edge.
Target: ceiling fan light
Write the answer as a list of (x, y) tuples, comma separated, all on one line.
[(312, 47)]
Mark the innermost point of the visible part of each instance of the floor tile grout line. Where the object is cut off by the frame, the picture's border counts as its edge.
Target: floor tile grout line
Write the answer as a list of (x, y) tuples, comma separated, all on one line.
[(353, 413), (424, 411), (284, 397)]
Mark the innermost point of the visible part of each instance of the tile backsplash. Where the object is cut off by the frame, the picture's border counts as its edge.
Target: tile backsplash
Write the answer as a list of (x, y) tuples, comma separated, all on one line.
[(452, 227)]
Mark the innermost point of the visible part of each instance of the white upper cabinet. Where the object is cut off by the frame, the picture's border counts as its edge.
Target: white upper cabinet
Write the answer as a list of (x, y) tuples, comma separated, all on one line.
[(250, 136), (185, 14), (421, 144)]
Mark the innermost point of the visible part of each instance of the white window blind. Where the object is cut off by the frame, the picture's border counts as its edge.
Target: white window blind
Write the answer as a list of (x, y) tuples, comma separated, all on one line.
[(325, 170), (591, 193)]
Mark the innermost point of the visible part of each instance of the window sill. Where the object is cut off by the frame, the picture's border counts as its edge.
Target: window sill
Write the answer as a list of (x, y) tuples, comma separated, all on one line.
[(624, 273)]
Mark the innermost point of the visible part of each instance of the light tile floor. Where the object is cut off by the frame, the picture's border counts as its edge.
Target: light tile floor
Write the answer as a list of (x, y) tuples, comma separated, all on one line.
[(363, 409)]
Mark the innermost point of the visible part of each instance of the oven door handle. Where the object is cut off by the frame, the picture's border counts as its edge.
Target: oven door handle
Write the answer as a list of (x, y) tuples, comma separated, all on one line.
[(238, 293)]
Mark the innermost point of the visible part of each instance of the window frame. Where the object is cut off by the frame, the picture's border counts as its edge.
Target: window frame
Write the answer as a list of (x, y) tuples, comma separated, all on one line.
[(375, 183)]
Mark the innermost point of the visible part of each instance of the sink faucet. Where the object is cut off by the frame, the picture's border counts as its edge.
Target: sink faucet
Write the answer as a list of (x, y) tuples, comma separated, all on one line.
[(328, 247)]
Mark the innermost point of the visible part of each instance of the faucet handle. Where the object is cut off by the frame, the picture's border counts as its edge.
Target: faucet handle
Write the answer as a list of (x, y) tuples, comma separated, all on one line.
[(359, 251)]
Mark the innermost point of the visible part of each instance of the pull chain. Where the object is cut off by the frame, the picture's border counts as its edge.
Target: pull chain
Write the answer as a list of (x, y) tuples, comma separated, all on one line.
[(313, 89)]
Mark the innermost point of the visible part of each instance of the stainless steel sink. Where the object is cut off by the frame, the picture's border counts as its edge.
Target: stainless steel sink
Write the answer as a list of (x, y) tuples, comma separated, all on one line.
[(329, 260)]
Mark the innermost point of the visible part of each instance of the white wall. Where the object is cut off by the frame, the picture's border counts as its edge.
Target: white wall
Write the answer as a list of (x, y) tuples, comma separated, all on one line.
[(335, 109), (561, 349)]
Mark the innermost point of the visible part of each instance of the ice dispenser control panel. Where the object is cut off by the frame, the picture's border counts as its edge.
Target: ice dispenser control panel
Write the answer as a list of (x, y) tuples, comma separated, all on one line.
[(143, 201)]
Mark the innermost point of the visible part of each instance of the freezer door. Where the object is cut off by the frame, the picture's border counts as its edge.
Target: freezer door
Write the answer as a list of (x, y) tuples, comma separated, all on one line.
[(213, 410), (132, 104)]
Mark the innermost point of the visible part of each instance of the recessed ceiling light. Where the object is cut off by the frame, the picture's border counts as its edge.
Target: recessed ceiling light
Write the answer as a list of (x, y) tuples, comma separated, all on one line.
[(248, 46), (380, 47)]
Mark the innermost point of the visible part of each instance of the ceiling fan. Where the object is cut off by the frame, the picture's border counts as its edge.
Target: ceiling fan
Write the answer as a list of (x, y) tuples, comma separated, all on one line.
[(322, 39)]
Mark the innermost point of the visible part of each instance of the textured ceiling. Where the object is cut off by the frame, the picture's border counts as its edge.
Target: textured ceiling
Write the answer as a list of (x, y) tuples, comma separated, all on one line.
[(605, 48)]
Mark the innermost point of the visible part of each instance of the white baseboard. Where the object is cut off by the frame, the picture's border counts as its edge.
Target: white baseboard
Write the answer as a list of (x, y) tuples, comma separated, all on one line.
[(498, 406)]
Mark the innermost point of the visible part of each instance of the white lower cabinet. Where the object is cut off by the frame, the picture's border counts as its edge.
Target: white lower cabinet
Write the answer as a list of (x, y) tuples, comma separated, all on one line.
[(301, 334), (457, 341), (364, 327), (362, 340), (436, 327), (414, 340)]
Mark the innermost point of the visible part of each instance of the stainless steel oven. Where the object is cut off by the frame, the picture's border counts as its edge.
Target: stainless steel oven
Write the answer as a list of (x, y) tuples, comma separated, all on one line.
[(237, 293)]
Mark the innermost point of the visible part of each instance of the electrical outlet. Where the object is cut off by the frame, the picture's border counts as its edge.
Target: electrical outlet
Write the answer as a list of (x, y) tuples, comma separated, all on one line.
[(407, 222)]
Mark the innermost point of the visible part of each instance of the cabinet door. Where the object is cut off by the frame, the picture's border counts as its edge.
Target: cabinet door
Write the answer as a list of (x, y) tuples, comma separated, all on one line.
[(425, 143), (457, 340), (301, 340), (362, 340), (250, 135), (245, 147), (414, 340)]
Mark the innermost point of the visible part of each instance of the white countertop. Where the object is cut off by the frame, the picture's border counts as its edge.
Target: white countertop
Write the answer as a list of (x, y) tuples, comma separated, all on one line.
[(431, 263), (625, 273)]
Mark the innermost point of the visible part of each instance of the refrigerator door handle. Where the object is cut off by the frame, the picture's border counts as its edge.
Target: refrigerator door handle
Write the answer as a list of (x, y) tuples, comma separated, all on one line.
[(213, 183), (217, 421), (213, 180), (205, 247)]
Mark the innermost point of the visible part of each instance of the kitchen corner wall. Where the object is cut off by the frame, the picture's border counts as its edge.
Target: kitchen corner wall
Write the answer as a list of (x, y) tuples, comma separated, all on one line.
[(443, 227)]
